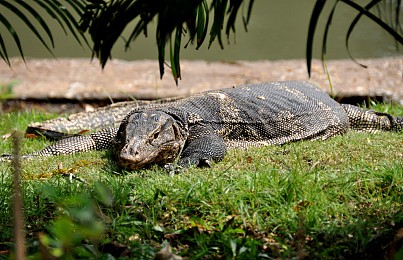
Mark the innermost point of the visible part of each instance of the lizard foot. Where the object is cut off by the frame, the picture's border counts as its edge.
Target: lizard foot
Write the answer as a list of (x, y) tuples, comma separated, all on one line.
[(173, 168)]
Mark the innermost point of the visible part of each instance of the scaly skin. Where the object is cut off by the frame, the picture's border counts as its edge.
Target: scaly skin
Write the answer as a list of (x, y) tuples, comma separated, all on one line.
[(198, 130)]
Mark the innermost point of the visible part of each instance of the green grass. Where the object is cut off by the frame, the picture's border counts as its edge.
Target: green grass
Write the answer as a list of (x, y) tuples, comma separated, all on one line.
[(339, 198)]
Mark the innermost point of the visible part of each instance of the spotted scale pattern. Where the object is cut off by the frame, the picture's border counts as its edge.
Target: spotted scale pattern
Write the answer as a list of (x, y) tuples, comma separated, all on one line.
[(371, 121), (269, 113), (249, 115), (101, 140), (105, 117)]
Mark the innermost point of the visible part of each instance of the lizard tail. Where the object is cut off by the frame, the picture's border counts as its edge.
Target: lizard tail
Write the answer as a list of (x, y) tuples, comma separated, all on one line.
[(371, 121)]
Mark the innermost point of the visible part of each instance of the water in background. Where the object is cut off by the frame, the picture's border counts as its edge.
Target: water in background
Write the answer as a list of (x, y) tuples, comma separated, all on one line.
[(277, 30)]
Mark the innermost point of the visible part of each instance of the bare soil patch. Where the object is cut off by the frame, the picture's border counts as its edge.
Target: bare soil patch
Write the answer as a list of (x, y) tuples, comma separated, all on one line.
[(79, 80)]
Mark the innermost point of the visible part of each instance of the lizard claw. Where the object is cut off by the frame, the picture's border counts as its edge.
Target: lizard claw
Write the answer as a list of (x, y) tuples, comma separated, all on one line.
[(172, 169), (204, 163), (6, 157), (177, 168)]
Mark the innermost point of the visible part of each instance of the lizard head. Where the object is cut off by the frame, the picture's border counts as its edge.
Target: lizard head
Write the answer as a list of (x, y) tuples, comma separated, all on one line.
[(148, 137)]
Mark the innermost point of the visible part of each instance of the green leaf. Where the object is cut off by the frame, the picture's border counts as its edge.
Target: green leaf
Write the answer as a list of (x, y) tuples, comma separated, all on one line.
[(141, 27), (177, 49), (352, 26), (218, 23), (202, 23), (317, 10), (161, 53), (44, 4), (107, 23), (398, 25), (327, 27), (104, 193), (39, 19), (376, 19), (13, 33), (246, 22), (64, 230), (174, 54), (21, 15), (233, 11), (60, 12), (3, 51), (77, 5), (69, 21), (171, 57)]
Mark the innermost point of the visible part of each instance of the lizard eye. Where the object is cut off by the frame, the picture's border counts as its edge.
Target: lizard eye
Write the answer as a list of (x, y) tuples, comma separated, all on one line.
[(153, 137)]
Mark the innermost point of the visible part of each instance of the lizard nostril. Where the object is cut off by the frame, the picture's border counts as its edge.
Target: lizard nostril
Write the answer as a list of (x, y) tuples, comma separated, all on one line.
[(131, 151)]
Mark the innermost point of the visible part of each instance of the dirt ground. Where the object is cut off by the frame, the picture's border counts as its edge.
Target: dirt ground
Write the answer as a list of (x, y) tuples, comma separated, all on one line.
[(82, 80)]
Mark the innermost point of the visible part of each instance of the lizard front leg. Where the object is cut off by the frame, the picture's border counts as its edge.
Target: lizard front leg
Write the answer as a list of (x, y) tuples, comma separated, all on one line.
[(202, 148)]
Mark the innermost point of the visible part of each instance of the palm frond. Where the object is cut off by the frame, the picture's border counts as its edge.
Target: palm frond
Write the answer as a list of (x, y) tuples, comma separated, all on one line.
[(64, 12), (105, 21), (11, 30), (317, 11), (387, 20), (354, 23), (25, 19), (387, 25), (327, 27), (219, 8)]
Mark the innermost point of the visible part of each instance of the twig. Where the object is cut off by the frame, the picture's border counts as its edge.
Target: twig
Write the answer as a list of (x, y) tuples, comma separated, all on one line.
[(18, 213)]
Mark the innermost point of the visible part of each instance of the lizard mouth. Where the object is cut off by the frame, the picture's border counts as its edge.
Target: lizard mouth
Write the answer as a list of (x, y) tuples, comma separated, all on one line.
[(138, 160)]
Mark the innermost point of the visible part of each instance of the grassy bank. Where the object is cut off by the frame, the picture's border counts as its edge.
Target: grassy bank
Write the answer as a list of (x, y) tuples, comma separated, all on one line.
[(338, 198)]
